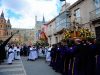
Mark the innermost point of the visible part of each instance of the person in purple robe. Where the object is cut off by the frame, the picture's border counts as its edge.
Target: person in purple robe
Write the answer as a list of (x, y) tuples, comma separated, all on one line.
[(98, 57), (91, 66), (81, 57)]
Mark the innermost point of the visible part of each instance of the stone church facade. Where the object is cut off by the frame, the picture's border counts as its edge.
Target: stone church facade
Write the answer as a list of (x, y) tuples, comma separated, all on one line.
[(5, 27)]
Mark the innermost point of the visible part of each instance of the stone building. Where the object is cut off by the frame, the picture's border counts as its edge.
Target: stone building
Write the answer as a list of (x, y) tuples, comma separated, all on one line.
[(5, 27), (24, 35), (38, 25), (50, 32), (83, 13), (80, 14)]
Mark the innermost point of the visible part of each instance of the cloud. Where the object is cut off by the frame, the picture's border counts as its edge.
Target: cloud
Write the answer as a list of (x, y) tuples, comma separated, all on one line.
[(22, 12), (71, 1), (13, 14), (0, 2)]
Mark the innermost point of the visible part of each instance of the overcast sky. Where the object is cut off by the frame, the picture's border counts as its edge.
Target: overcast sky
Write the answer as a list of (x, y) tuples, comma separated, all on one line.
[(22, 12)]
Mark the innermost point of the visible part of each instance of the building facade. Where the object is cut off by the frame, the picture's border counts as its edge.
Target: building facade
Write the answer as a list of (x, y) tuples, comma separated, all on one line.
[(24, 35), (80, 14), (56, 27), (38, 25), (95, 17), (5, 27), (50, 32), (83, 13)]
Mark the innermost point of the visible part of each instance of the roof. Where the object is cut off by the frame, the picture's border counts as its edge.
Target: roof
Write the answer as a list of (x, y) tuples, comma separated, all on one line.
[(51, 21), (20, 29), (75, 4)]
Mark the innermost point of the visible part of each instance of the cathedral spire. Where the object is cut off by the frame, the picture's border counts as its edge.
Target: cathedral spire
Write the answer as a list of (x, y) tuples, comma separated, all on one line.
[(2, 15), (43, 19), (8, 21), (35, 18)]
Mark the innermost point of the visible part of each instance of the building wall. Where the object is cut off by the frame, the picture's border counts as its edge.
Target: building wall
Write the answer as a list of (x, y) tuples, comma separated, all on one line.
[(24, 36), (2, 27), (65, 7), (86, 6), (50, 32)]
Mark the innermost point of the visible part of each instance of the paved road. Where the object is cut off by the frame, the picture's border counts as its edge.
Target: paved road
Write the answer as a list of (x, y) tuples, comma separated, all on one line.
[(16, 68), (38, 67), (24, 67)]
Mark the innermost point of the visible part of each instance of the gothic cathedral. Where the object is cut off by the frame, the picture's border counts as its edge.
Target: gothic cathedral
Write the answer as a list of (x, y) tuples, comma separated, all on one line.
[(5, 27)]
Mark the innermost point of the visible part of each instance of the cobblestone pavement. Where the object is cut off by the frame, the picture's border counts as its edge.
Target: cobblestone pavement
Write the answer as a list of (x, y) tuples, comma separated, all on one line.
[(38, 67), (15, 69)]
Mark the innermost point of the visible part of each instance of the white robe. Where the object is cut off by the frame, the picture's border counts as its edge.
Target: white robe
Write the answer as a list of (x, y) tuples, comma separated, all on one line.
[(32, 54), (15, 52), (18, 54), (36, 54), (48, 57), (10, 56), (40, 52)]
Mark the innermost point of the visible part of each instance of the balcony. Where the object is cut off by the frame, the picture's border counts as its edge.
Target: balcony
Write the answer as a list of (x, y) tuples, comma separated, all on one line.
[(95, 15), (78, 20), (62, 26)]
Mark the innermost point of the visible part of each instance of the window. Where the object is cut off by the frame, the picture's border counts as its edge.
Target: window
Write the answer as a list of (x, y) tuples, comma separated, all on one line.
[(77, 13), (0, 26), (11, 33), (77, 16), (97, 3), (1, 21), (56, 39), (7, 33)]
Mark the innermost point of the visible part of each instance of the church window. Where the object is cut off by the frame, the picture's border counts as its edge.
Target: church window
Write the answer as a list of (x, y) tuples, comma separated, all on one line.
[(1, 21), (0, 26), (7, 33), (11, 33)]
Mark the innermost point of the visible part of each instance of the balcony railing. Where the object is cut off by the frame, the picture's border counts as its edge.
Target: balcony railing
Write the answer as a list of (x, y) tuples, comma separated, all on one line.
[(78, 20), (61, 27), (95, 14)]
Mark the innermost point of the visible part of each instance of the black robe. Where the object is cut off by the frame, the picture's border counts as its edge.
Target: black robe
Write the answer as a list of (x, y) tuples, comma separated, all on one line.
[(81, 60), (2, 48)]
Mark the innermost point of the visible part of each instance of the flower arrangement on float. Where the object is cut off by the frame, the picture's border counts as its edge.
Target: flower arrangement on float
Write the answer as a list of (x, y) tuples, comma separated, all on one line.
[(80, 33)]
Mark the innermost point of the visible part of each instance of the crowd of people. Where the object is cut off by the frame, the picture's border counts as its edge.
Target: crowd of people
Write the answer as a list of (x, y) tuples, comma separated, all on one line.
[(14, 51), (70, 57), (76, 57)]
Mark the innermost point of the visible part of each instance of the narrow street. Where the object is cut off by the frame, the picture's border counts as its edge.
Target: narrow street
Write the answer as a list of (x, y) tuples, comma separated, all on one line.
[(24, 67), (38, 67), (16, 68)]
